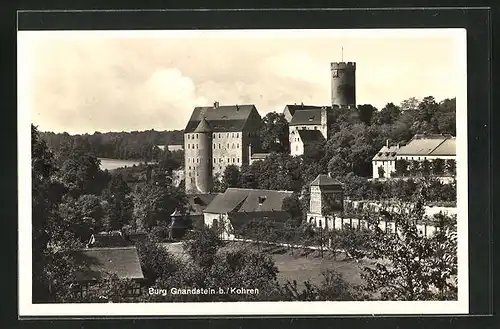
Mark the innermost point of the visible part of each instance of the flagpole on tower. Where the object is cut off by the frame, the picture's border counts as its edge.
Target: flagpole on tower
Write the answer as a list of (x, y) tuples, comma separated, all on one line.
[(342, 54)]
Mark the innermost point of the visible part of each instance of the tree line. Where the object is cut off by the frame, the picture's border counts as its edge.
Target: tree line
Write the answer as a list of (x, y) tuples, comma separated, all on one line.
[(135, 145)]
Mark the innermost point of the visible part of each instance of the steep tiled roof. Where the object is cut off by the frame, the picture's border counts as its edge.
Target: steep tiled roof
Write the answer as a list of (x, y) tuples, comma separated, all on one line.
[(325, 180), (448, 147), (293, 108), (97, 262), (203, 126), (221, 119), (306, 117), (422, 145), (311, 136), (247, 200), (386, 153), (198, 202)]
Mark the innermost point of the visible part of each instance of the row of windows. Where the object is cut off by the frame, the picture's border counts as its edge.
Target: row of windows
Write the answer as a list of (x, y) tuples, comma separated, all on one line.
[(223, 135), (305, 128), (216, 160), (229, 145), (198, 173)]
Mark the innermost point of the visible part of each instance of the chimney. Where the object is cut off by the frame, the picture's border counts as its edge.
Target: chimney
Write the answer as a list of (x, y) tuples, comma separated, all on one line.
[(329, 174), (216, 105), (387, 143), (249, 150)]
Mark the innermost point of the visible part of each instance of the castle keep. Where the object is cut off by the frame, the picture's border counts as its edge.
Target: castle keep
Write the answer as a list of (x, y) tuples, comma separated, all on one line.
[(343, 84), (214, 138)]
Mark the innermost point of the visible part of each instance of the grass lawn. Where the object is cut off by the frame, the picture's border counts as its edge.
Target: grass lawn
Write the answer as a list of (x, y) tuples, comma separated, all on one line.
[(299, 267), (296, 266)]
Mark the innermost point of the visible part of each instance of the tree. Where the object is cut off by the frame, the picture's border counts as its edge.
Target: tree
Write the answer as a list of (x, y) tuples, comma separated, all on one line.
[(154, 204), (365, 113), (119, 204), (243, 268), (437, 167), (80, 172), (414, 168), (51, 264), (410, 104), (414, 265), (231, 176), (401, 167), (202, 245), (291, 204), (274, 133), (426, 167), (451, 167), (82, 216), (389, 114)]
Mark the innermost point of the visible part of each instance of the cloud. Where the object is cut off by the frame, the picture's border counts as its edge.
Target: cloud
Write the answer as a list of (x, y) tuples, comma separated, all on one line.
[(87, 84)]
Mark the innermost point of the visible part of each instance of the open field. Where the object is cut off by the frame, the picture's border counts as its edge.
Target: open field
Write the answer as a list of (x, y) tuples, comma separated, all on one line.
[(296, 266)]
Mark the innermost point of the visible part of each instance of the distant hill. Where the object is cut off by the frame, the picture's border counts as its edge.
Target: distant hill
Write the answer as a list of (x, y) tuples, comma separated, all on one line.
[(116, 145)]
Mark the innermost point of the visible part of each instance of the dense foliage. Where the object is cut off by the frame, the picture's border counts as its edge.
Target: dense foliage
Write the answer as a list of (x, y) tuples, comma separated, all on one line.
[(137, 145)]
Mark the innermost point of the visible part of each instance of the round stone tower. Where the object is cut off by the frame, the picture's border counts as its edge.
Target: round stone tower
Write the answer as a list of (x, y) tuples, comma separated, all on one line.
[(343, 84), (203, 164)]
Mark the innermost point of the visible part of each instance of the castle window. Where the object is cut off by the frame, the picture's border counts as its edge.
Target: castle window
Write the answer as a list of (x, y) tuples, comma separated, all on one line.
[(192, 180), (214, 146), (214, 160), (238, 160), (189, 146), (227, 145), (237, 145), (233, 145), (189, 167), (188, 136), (197, 136), (214, 135), (219, 146), (237, 135), (197, 160), (196, 145), (233, 160), (315, 128)]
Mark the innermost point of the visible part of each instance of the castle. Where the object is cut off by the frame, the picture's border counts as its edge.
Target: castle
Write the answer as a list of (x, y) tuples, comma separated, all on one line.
[(218, 136)]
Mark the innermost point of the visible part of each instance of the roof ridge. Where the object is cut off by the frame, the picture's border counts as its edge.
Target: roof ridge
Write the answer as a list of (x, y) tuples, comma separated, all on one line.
[(253, 189), (106, 248)]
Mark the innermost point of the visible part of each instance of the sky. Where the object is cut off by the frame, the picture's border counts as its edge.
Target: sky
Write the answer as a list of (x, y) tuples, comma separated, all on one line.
[(87, 81)]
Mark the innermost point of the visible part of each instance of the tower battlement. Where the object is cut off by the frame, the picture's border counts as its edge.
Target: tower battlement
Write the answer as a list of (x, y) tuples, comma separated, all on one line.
[(342, 65)]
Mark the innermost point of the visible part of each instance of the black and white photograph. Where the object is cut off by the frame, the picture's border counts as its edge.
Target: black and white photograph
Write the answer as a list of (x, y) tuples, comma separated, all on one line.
[(233, 172)]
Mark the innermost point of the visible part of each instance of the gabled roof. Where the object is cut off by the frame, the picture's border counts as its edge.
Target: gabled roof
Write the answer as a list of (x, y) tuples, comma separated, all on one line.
[(225, 118), (97, 262), (198, 202), (293, 108), (325, 180), (247, 200), (311, 136), (386, 153), (421, 145), (306, 117)]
